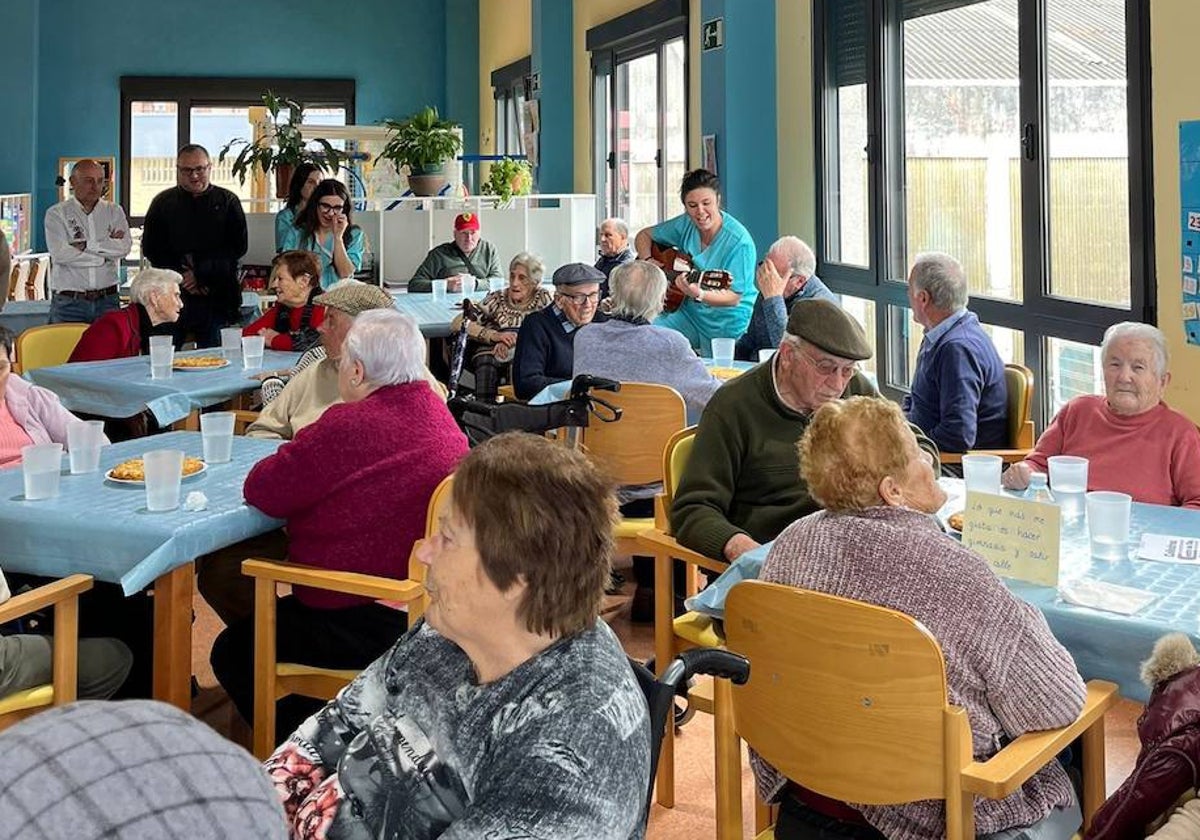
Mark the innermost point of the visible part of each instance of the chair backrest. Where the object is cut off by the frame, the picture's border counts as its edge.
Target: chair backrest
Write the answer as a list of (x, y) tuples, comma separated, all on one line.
[(675, 457), (439, 503), (1018, 379), (845, 698), (46, 346), (630, 448)]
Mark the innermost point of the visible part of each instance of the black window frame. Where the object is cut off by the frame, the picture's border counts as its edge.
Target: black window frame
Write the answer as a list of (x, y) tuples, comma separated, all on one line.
[(510, 84)]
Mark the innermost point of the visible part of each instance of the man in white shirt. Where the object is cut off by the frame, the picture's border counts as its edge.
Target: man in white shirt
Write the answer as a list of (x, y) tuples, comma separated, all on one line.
[(87, 238)]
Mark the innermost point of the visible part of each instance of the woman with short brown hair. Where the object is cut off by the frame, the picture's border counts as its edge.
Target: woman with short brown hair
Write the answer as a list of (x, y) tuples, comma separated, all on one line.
[(291, 324)]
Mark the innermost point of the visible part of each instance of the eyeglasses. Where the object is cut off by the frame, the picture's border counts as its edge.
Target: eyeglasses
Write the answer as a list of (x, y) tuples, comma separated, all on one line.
[(337, 209), (194, 170), (580, 300), (828, 367)]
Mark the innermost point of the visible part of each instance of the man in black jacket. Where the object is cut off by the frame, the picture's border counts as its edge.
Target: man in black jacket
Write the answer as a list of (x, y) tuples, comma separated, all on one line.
[(199, 230)]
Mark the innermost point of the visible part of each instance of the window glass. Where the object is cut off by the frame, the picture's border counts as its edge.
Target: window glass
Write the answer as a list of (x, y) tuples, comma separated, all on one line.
[(153, 144), (637, 141), (674, 116), (212, 128), (863, 311), (847, 197), (1074, 370)]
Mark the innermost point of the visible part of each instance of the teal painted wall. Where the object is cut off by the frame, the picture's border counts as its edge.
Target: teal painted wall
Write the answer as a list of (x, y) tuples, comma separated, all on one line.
[(18, 123), (553, 37)]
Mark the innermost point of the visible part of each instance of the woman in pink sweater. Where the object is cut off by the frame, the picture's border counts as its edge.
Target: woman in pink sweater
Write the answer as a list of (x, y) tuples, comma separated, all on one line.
[(876, 542), (353, 488), (1133, 441)]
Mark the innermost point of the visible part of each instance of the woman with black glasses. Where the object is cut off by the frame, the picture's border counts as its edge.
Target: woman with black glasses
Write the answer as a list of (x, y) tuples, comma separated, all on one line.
[(324, 227)]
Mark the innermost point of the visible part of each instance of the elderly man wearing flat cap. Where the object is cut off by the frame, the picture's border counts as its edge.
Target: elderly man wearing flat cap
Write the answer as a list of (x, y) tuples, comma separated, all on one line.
[(742, 484), (546, 342), (467, 255)]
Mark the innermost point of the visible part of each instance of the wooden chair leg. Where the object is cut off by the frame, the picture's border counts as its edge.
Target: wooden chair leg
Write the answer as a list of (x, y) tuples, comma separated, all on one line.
[(664, 783), (728, 758), (264, 668), (764, 815), (664, 652), (1092, 742), (65, 659)]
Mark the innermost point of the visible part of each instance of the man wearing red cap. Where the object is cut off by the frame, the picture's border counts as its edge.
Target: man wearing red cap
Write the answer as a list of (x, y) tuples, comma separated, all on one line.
[(467, 255)]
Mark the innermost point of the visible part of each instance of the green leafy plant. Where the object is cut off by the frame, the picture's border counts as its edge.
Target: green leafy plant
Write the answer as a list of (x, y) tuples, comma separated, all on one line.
[(508, 178), (284, 147), (423, 142)]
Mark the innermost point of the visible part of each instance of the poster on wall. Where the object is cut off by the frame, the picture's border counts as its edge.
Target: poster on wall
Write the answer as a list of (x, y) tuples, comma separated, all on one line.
[(1189, 200)]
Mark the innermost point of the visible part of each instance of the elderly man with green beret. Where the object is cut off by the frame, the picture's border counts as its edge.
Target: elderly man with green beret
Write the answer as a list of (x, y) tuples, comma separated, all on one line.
[(742, 484)]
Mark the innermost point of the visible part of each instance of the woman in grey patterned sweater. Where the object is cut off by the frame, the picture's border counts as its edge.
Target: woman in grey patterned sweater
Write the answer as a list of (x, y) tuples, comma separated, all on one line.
[(510, 710), (875, 542)]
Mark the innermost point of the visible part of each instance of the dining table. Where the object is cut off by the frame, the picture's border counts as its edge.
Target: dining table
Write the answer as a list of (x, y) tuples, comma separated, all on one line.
[(118, 388), (433, 315), (20, 315), (101, 527)]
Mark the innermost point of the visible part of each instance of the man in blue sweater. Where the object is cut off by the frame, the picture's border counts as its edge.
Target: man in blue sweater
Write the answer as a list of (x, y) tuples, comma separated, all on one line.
[(784, 277), (958, 394), (546, 342)]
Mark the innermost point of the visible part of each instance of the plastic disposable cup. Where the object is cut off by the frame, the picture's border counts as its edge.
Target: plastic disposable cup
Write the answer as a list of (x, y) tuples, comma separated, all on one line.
[(722, 351), (252, 351), (439, 289), (468, 285), (497, 284), (1068, 474), (164, 472), (766, 354), (982, 473), (84, 438), (216, 433), (162, 355), (231, 342), (42, 465), (1108, 524)]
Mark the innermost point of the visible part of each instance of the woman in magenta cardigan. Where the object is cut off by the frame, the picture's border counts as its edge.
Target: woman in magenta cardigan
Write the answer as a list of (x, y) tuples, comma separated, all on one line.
[(353, 488), (1133, 441)]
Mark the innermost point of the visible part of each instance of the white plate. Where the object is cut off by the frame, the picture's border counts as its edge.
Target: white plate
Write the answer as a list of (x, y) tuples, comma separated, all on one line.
[(190, 369), (109, 476)]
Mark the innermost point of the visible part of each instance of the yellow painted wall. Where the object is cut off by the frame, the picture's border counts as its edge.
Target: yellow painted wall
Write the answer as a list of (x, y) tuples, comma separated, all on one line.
[(1173, 24), (505, 36), (794, 115)]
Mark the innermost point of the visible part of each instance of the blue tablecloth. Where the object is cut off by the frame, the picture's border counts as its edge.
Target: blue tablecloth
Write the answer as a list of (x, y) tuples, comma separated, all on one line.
[(123, 387), (433, 317), (20, 315), (1105, 645), (103, 529)]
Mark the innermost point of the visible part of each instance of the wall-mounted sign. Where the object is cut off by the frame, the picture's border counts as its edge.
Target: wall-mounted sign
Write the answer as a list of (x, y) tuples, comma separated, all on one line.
[(712, 34)]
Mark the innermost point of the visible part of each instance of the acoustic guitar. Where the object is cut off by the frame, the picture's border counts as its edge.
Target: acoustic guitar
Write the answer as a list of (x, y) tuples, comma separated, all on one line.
[(676, 263)]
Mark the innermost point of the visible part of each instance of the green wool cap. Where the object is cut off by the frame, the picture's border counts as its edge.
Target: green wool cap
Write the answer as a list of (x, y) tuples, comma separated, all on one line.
[(825, 325)]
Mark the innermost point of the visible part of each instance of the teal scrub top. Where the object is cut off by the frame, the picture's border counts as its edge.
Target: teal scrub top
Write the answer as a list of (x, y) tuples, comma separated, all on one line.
[(296, 239)]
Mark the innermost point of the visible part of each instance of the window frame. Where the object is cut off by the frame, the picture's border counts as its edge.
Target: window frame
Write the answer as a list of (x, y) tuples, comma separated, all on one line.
[(509, 86)]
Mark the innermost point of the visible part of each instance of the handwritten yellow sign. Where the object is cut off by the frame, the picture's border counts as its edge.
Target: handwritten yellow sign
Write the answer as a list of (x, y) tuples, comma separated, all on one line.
[(1018, 538)]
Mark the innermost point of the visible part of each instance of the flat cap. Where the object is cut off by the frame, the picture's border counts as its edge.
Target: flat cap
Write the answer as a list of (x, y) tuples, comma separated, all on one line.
[(825, 324), (353, 297), (576, 274)]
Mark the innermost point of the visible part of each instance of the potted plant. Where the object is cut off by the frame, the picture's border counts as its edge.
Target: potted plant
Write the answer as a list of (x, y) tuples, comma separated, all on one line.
[(281, 148), (423, 143), (507, 178)]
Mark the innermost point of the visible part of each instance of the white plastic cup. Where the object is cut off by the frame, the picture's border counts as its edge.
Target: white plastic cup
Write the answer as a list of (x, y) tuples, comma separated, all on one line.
[(216, 434), (1108, 524), (497, 284), (41, 464), (1068, 474), (253, 347), (164, 472), (439, 289), (84, 438), (722, 351), (162, 356), (468, 284), (231, 342), (766, 354), (982, 473)]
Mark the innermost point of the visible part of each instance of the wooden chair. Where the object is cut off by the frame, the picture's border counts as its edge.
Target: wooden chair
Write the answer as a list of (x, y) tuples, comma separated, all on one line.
[(1019, 381), (63, 595), (46, 346), (849, 700), (272, 679), (672, 635), (242, 420)]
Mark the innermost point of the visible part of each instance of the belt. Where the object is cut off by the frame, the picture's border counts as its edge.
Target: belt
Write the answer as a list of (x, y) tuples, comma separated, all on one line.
[(90, 294)]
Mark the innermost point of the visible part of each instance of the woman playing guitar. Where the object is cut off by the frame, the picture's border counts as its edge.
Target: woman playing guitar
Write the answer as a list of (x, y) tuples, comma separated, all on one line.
[(716, 241)]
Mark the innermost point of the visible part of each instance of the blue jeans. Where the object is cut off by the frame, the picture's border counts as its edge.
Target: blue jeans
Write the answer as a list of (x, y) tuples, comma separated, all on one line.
[(72, 310)]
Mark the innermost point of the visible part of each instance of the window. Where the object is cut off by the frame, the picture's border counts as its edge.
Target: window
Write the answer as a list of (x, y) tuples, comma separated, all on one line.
[(1011, 134), (160, 114), (639, 112), (508, 89)]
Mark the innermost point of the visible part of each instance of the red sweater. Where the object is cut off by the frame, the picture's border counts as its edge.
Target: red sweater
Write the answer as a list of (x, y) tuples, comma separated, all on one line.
[(355, 485), (114, 335), (283, 341), (1153, 456)]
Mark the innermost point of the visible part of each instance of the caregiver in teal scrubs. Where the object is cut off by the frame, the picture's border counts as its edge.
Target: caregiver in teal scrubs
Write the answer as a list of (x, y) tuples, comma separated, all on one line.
[(714, 240)]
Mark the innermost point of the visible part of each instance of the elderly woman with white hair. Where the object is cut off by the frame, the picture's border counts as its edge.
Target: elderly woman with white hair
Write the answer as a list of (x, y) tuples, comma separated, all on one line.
[(353, 488), (154, 306), (1133, 441)]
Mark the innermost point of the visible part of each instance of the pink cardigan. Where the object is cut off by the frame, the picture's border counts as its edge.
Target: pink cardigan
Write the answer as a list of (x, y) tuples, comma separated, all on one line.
[(38, 411), (1153, 456)]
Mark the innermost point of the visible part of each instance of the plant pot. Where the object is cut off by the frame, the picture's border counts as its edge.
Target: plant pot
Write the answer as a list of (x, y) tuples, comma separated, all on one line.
[(283, 179), (426, 181)]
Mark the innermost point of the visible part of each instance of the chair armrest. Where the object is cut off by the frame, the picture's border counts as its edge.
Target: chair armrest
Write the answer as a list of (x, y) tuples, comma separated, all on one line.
[(1007, 770), (242, 420), (44, 596), (350, 583), (665, 544)]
